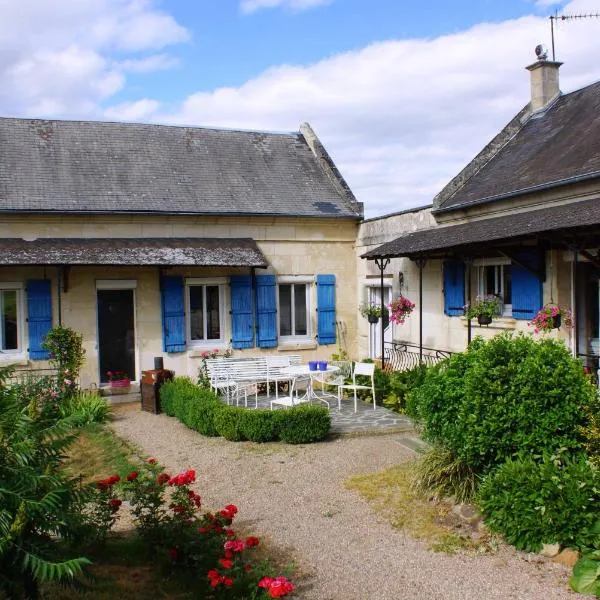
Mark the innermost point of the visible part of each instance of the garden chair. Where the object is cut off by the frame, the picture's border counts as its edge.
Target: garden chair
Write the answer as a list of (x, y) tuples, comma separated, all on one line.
[(335, 379), (292, 399), (275, 364), (364, 370)]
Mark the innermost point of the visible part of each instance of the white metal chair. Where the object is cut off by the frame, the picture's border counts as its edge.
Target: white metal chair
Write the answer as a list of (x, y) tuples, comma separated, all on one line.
[(275, 364), (336, 378), (364, 370), (290, 400)]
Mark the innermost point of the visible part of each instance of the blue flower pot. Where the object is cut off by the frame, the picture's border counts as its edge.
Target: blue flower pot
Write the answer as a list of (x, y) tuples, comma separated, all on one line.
[(312, 365), (322, 365)]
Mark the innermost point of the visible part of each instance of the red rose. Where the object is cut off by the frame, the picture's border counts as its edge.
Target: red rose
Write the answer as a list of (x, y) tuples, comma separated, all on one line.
[(213, 574), (252, 541), (202, 529), (113, 479), (226, 563), (133, 475), (115, 503), (162, 478), (265, 582), (227, 581), (228, 554), (178, 509), (232, 508), (102, 485), (151, 461)]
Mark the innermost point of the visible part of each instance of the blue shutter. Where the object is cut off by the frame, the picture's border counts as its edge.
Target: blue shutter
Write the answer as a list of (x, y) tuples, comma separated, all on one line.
[(173, 314), (266, 309), (454, 288), (526, 287), (326, 309), (242, 312), (39, 316)]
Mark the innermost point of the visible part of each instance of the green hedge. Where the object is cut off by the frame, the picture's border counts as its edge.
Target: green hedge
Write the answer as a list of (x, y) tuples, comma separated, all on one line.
[(201, 410)]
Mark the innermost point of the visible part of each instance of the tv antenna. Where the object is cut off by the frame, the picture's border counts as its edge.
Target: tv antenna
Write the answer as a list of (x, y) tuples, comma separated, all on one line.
[(557, 17)]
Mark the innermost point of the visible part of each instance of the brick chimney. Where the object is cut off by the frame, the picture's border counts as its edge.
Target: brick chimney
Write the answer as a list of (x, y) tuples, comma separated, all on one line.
[(544, 81)]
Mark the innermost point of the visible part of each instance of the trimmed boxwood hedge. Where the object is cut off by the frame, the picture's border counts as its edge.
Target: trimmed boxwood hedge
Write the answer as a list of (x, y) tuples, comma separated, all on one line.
[(201, 410)]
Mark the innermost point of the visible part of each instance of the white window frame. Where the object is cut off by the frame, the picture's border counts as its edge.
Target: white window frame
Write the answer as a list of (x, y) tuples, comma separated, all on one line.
[(480, 264), (221, 282), (291, 280), (20, 351)]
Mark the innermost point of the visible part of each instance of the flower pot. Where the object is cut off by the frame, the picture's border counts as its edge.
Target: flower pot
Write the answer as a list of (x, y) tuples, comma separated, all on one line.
[(312, 365), (484, 319), (556, 322), (322, 365), (120, 383), (372, 319)]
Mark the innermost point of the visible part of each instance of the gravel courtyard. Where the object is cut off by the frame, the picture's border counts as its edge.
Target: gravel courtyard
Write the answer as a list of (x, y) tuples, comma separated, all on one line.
[(294, 498)]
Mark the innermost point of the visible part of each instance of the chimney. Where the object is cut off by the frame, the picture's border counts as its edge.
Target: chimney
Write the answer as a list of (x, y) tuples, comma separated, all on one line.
[(544, 80)]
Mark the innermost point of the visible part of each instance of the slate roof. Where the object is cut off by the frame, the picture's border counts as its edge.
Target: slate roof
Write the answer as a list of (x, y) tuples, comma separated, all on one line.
[(558, 147), (99, 167), (217, 252), (480, 235)]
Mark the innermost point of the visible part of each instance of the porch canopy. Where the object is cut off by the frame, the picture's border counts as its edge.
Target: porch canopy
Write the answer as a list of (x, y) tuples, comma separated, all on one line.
[(574, 225), (200, 252)]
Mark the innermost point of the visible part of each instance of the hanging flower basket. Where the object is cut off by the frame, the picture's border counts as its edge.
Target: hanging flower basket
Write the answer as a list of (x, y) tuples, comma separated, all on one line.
[(485, 308), (550, 317), (372, 319), (371, 312), (400, 309)]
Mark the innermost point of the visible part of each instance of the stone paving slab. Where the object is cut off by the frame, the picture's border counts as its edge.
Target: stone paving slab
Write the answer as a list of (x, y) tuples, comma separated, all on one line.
[(364, 420)]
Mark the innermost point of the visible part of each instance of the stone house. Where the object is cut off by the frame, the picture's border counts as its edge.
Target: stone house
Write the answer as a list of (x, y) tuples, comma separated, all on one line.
[(154, 240), (521, 221)]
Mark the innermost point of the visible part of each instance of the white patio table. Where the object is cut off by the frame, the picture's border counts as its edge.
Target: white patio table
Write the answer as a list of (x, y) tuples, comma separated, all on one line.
[(296, 371)]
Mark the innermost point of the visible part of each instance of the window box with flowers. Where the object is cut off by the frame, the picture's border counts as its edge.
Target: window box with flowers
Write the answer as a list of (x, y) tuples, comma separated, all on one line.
[(400, 309), (485, 308), (118, 379), (551, 317)]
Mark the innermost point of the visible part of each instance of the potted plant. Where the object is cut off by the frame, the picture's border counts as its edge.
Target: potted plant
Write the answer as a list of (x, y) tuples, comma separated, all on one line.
[(400, 309), (550, 317), (485, 308), (118, 379), (370, 311)]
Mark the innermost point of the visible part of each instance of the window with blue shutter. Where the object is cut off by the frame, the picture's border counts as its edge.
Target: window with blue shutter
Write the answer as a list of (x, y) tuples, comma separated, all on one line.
[(173, 314), (39, 316), (326, 309), (242, 312), (526, 287), (454, 288), (266, 311)]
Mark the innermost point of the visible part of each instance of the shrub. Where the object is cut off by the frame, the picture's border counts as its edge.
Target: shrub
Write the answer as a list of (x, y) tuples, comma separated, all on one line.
[(504, 396), (591, 432), (401, 383), (85, 408), (440, 474), (67, 354), (304, 424), (531, 503), (228, 421), (201, 410), (260, 425)]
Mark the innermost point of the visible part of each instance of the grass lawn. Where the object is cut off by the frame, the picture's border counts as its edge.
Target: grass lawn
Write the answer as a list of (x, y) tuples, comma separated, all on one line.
[(391, 495)]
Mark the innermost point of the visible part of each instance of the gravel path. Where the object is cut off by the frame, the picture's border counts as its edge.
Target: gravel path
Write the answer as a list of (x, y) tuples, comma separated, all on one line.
[(294, 497)]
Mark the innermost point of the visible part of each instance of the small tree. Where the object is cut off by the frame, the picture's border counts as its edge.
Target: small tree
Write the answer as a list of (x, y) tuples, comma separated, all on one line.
[(67, 354)]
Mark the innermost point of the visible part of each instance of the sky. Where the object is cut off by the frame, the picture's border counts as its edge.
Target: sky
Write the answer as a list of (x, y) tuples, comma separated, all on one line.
[(401, 94)]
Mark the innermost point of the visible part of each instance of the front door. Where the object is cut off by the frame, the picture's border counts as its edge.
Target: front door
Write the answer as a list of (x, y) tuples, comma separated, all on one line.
[(383, 323), (116, 332)]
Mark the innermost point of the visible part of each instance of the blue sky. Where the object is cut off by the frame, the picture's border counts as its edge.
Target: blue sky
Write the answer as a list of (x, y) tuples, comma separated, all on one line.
[(402, 94)]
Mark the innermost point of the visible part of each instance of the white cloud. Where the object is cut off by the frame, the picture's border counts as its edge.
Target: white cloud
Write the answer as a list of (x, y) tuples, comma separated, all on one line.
[(401, 118), (57, 56), (141, 110), (546, 3), (250, 6)]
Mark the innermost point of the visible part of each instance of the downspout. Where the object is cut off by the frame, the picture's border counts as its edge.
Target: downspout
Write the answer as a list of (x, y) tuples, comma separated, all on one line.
[(421, 264), (575, 302), (255, 307), (58, 286)]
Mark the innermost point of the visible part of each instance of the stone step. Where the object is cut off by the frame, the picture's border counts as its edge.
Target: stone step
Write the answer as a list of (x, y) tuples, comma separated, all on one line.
[(122, 398), (413, 443)]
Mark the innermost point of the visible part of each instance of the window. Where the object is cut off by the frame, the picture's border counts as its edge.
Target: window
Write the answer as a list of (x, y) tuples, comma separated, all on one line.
[(205, 310), (495, 279), (10, 315), (294, 310)]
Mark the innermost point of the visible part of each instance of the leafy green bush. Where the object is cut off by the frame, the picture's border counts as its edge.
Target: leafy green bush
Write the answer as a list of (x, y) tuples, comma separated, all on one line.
[(504, 396), (531, 503), (440, 474), (401, 383), (591, 432), (67, 354), (260, 425), (201, 410), (85, 408), (228, 423), (36, 496), (304, 424), (586, 572)]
